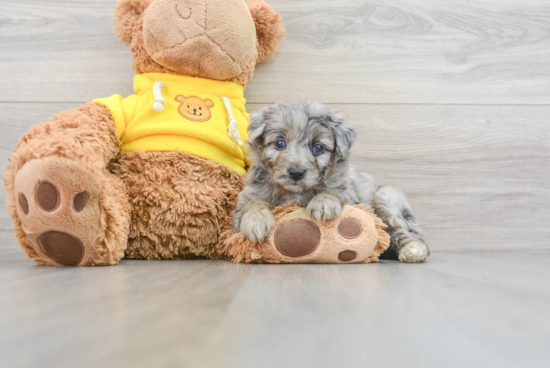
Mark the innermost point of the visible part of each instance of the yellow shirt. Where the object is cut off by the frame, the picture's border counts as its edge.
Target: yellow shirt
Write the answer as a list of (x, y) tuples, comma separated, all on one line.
[(185, 114)]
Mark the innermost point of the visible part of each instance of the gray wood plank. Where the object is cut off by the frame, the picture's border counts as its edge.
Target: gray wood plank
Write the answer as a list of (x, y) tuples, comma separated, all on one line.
[(460, 309), (350, 51), (441, 314), (475, 175), (124, 315)]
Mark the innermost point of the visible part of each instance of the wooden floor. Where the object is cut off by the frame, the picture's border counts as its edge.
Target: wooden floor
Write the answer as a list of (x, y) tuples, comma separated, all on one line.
[(452, 102), (485, 309)]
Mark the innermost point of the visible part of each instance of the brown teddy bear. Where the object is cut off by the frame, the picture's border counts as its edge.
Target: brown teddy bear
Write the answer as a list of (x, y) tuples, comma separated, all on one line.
[(156, 174)]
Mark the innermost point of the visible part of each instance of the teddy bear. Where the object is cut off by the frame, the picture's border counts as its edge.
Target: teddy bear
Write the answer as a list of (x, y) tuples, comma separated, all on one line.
[(156, 174)]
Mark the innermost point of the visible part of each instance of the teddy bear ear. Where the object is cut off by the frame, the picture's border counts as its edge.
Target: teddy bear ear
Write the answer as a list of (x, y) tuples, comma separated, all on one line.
[(208, 103), (269, 30), (127, 16), (180, 99)]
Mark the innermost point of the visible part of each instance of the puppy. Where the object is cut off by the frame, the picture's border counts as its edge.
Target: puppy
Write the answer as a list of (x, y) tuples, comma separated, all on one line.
[(299, 152)]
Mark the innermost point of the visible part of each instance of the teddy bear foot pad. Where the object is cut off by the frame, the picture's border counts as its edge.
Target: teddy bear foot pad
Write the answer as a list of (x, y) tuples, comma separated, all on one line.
[(356, 236), (57, 203), (300, 238)]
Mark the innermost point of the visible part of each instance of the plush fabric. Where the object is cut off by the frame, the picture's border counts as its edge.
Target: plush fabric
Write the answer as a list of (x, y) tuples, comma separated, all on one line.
[(144, 205), (268, 29), (207, 41), (70, 151), (178, 203), (180, 127), (129, 27), (356, 236)]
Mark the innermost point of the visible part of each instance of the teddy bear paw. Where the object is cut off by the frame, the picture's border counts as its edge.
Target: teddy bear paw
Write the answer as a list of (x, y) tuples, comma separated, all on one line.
[(353, 237), (57, 204)]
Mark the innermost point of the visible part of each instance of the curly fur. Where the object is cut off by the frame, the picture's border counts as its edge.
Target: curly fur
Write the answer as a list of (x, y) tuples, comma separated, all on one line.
[(269, 30), (328, 180), (86, 136), (179, 203), (127, 18), (154, 205)]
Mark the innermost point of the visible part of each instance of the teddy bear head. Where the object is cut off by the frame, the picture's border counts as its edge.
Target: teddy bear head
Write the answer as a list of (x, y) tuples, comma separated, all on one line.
[(214, 39)]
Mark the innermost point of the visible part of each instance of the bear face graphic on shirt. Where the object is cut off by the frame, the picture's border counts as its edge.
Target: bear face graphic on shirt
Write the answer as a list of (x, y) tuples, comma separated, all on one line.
[(194, 108)]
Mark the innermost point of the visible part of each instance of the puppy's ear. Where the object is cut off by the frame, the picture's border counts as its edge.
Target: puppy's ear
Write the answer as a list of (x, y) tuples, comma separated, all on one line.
[(269, 30), (127, 16), (257, 126), (345, 136)]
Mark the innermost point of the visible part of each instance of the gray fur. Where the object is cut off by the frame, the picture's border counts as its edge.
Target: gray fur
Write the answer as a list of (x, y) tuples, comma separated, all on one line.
[(329, 183)]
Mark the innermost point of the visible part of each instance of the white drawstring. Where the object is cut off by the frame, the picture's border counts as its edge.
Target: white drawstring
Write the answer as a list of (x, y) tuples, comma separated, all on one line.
[(158, 105), (233, 123)]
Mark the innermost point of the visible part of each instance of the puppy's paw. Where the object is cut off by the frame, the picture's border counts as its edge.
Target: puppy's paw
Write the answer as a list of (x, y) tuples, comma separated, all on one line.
[(256, 223), (324, 207), (414, 252)]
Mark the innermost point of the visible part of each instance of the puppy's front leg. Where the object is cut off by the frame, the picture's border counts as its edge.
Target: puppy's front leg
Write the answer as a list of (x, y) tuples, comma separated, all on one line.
[(256, 221), (324, 207)]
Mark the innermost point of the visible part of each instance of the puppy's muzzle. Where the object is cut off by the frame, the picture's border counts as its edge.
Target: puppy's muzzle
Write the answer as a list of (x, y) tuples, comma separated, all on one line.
[(296, 174)]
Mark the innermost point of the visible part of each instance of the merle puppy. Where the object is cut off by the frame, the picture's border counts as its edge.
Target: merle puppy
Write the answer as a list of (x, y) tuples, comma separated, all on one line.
[(299, 152)]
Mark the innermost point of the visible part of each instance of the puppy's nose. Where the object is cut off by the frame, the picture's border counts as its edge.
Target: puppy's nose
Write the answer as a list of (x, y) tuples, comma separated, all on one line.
[(297, 174)]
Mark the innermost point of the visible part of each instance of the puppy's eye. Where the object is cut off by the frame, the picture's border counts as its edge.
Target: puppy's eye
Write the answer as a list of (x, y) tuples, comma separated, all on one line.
[(317, 149), (280, 144)]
